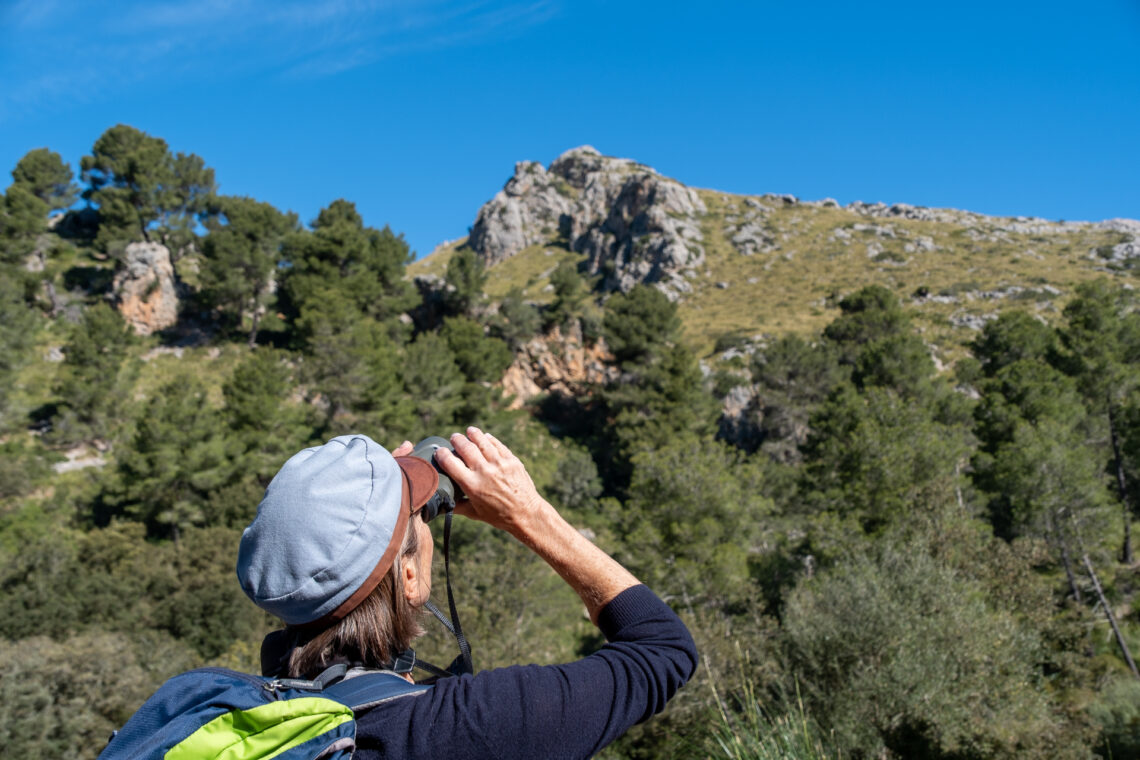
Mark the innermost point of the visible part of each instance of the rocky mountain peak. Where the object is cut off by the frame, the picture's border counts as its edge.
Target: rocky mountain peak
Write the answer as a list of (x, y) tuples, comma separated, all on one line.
[(633, 224)]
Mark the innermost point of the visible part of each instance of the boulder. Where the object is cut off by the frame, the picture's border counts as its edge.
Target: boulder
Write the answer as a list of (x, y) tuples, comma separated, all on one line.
[(632, 224), (144, 288)]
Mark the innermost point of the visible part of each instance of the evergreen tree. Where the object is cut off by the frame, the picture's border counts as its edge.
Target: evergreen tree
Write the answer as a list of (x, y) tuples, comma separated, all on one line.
[(346, 261), (466, 276), (176, 459), (638, 323), (517, 320), (79, 688), (878, 457), (480, 357), (18, 327), (1101, 338), (1013, 336), (694, 513), (432, 382), (661, 392), (265, 426), (873, 335), (1033, 462), (44, 174), (793, 377), (353, 364), (570, 293), (1054, 489), (663, 397), (1026, 390), (868, 315), (140, 188), (95, 377), (240, 256), (22, 221), (576, 485)]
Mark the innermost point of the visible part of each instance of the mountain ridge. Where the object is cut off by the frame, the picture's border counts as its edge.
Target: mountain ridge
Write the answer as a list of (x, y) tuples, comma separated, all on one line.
[(769, 264)]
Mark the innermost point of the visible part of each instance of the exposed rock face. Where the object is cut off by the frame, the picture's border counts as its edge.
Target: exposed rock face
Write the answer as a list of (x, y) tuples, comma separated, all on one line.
[(1118, 254), (919, 213), (747, 230), (557, 363), (752, 419), (739, 418), (145, 292), (633, 224), (989, 228)]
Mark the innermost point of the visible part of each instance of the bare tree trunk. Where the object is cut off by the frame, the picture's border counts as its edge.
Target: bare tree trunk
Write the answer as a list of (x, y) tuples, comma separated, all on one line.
[(958, 486), (253, 329), (1111, 618), (1122, 488)]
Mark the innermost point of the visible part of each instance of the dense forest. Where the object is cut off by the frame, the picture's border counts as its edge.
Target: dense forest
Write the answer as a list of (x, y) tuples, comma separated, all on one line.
[(906, 560)]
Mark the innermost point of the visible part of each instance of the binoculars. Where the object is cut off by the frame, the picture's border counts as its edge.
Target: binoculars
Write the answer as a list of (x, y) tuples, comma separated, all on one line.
[(448, 492)]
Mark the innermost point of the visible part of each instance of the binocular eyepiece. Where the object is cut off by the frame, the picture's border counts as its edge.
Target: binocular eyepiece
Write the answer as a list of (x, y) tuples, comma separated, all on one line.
[(448, 492)]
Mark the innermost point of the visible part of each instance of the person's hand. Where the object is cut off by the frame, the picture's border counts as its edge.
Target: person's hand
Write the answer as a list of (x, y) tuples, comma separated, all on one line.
[(499, 490), (403, 450)]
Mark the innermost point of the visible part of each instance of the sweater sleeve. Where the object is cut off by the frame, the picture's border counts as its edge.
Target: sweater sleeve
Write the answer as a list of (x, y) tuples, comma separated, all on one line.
[(552, 711)]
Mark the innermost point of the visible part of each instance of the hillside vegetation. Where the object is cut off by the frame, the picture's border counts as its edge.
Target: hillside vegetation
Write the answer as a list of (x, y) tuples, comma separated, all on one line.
[(884, 461)]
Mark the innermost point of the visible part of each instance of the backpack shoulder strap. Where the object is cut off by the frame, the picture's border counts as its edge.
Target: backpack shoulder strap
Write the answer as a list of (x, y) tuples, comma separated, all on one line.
[(367, 690)]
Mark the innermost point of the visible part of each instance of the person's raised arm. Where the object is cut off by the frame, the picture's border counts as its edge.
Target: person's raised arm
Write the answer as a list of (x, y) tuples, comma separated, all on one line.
[(501, 493)]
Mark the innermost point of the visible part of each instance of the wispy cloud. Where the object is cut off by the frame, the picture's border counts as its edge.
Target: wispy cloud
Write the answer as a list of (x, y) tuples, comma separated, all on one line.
[(355, 45), (56, 50)]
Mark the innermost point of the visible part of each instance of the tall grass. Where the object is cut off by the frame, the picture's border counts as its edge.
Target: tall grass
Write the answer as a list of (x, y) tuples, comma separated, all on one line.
[(752, 732)]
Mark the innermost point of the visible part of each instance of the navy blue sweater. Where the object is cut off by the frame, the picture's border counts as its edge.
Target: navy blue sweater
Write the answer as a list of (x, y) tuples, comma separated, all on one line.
[(547, 711)]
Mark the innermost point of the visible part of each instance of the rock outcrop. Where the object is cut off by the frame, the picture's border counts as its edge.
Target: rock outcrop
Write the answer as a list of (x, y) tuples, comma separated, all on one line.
[(557, 363), (747, 230), (633, 224), (145, 291)]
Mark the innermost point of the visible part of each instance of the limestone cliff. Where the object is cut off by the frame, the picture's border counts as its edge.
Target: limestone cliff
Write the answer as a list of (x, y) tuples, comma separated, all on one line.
[(561, 363), (145, 291), (633, 224)]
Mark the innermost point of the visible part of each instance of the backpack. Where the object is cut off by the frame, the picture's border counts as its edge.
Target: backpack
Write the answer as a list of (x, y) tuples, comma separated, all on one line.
[(218, 713)]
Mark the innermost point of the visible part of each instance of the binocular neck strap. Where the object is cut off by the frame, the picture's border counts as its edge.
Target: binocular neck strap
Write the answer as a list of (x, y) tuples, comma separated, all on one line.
[(462, 663)]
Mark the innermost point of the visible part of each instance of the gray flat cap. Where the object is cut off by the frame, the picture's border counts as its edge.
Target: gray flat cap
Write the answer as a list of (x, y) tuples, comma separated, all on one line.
[(329, 528)]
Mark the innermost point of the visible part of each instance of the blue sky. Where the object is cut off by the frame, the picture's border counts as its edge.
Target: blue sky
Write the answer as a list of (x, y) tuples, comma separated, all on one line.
[(417, 111)]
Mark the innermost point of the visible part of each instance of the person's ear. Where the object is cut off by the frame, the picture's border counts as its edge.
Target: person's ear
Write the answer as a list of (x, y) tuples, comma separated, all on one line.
[(412, 580)]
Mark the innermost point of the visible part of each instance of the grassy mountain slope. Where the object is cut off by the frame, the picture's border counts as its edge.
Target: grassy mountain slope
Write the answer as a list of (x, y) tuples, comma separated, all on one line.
[(953, 272)]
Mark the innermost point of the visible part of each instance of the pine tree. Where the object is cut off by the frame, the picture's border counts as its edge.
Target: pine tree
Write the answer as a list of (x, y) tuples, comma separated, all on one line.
[(570, 293), (481, 358), (44, 174), (638, 323), (1101, 338), (18, 327), (353, 363), (466, 276), (517, 320), (141, 189), (342, 259), (95, 377), (240, 257), (176, 459), (23, 219)]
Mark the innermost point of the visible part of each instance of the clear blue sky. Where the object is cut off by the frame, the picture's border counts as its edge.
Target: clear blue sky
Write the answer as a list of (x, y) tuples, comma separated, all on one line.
[(417, 110)]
